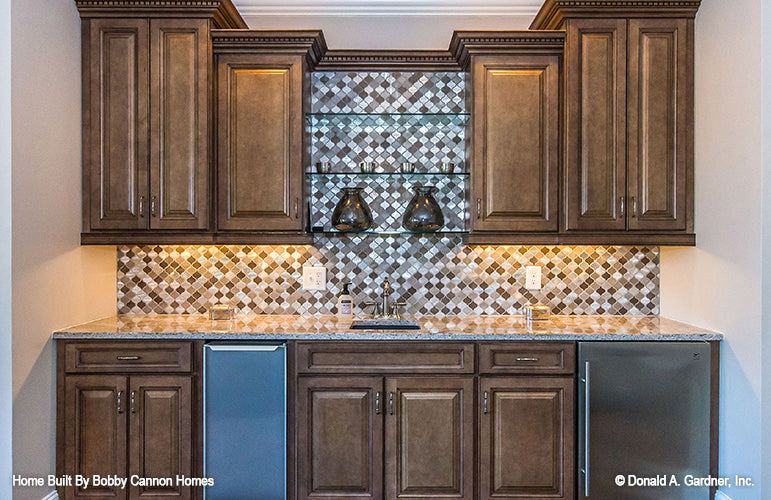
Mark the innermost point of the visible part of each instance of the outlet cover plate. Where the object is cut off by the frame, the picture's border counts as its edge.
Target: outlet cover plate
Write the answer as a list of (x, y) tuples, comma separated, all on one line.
[(314, 278), (533, 277)]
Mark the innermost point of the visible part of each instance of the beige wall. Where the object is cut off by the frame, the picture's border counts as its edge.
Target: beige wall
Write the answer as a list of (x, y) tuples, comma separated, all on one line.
[(55, 281), (389, 32), (5, 248), (718, 283)]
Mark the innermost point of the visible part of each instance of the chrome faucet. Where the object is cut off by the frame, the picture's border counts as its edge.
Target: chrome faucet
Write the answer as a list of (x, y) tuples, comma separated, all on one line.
[(385, 308)]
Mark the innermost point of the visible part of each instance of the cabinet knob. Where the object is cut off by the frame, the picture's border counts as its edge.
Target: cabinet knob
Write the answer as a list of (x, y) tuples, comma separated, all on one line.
[(391, 403), (152, 206), (484, 406), (621, 202), (142, 206), (133, 395), (120, 405), (479, 208), (634, 207), (296, 208), (377, 403)]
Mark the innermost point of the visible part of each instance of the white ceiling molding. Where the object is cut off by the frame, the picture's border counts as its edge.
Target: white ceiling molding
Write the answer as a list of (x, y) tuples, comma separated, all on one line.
[(387, 7)]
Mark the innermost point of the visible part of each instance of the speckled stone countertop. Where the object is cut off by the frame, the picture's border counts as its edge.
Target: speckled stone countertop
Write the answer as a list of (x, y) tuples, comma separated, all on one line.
[(285, 327)]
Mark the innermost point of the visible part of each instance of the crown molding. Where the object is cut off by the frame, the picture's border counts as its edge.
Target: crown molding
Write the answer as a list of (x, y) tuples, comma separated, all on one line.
[(310, 43), (554, 12), (466, 43), (223, 12), (387, 7), (388, 60)]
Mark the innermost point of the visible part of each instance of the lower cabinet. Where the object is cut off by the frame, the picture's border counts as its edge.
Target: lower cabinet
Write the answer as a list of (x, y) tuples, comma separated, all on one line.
[(376, 437), (398, 421), (126, 425), (526, 437)]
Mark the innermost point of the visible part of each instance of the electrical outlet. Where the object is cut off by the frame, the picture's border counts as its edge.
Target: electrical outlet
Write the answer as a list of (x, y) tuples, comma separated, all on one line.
[(314, 278), (533, 277)]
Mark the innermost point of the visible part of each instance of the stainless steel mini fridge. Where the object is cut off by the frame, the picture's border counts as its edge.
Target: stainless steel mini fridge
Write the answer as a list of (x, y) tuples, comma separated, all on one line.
[(644, 412), (245, 421)]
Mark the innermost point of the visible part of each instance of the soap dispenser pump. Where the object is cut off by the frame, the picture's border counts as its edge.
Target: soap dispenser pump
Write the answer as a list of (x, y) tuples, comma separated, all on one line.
[(345, 302)]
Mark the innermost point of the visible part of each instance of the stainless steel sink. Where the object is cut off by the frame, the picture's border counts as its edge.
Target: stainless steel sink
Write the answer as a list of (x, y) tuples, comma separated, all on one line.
[(384, 324)]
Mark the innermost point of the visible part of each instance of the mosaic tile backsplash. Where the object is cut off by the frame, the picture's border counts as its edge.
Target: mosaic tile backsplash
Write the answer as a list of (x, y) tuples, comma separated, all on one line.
[(388, 118), (434, 274), (417, 117)]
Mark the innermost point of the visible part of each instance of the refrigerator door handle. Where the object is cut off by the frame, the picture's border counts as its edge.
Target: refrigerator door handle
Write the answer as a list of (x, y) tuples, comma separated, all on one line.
[(586, 432), (236, 347)]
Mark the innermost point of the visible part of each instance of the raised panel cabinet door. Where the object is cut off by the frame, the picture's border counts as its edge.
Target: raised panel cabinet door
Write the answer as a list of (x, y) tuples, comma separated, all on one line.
[(115, 148), (595, 107), (95, 433), (340, 437), (516, 142), (179, 115), (430, 438), (526, 438), (260, 142), (160, 426), (660, 88)]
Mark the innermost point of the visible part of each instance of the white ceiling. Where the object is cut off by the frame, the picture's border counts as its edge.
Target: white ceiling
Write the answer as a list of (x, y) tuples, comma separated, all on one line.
[(387, 7)]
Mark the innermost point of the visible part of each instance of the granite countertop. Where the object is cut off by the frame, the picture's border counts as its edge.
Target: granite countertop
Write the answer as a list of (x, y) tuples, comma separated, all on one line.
[(326, 327)]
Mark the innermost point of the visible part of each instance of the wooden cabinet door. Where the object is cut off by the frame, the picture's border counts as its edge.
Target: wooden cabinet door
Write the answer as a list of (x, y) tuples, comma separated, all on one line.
[(179, 123), (595, 170), (516, 142), (430, 438), (95, 432), (260, 142), (340, 437), (659, 93), (115, 104), (526, 437), (160, 411)]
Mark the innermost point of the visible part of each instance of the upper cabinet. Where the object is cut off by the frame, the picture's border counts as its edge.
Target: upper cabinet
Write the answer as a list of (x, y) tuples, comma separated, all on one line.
[(628, 173), (147, 79), (262, 97), (515, 115), (578, 131)]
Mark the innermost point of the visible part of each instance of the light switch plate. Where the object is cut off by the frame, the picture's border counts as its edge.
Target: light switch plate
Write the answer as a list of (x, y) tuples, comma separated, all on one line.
[(533, 277), (314, 278)]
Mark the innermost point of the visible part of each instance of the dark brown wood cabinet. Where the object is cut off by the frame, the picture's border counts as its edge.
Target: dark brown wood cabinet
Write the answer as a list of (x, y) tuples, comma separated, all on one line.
[(629, 119), (115, 417), (429, 438), (526, 437), (147, 80), (340, 437), (262, 98), (515, 114), (423, 430)]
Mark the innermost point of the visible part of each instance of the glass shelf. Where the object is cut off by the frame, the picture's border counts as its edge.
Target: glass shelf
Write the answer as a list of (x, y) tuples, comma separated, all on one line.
[(387, 119), (334, 232), (386, 174)]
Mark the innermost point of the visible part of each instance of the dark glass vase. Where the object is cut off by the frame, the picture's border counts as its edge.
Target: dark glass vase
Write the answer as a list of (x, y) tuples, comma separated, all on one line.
[(351, 212), (423, 213)]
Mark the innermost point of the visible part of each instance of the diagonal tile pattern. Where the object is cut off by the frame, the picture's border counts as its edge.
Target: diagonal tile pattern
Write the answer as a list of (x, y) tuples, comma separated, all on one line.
[(435, 274)]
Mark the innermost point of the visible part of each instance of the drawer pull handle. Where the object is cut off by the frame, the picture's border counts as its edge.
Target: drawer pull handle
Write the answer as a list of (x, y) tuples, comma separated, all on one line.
[(377, 403), (391, 403), (128, 358), (485, 404), (527, 359), (133, 395), (120, 396)]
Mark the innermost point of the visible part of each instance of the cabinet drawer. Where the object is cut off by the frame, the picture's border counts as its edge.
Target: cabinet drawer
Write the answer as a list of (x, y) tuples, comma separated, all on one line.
[(100, 356), (528, 357), (384, 357)]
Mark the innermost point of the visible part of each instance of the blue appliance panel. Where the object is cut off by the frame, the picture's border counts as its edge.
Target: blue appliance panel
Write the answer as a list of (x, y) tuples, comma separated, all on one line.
[(245, 421)]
